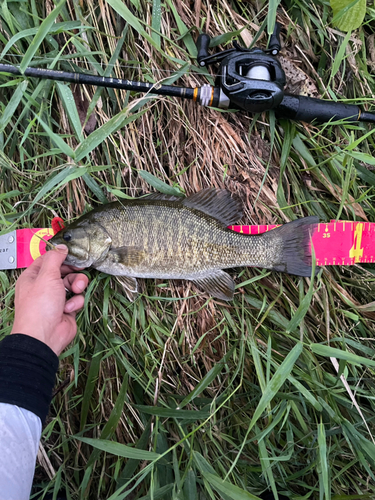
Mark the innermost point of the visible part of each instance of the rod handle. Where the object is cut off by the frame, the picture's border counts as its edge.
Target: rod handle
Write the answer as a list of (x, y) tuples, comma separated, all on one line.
[(308, 109)]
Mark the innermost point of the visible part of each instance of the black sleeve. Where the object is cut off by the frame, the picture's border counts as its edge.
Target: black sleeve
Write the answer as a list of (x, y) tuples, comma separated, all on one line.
[(27, 373)]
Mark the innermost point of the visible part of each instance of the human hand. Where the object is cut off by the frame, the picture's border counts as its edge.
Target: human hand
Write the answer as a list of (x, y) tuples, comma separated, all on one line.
[(41, 308)]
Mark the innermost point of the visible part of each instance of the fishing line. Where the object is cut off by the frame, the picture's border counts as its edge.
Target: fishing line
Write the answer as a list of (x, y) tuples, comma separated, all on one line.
[(112, 66)]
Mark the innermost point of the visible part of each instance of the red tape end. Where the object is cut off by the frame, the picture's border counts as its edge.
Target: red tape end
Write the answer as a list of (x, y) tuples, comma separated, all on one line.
[(57, 224)]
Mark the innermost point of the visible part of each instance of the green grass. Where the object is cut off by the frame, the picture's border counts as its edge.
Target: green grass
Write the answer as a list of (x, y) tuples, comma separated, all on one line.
[(178, 396)]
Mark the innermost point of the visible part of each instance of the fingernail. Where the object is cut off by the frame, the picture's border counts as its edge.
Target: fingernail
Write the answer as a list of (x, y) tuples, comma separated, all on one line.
[(62, 248), (69, 307), (81, 285)]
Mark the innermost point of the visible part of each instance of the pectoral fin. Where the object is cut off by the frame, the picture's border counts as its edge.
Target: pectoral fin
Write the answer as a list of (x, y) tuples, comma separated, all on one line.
[(218, 284), (128, 256), (130, 286)]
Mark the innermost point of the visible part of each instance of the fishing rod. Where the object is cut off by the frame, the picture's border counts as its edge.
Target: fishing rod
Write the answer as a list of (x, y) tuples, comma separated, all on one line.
[(248, 79)]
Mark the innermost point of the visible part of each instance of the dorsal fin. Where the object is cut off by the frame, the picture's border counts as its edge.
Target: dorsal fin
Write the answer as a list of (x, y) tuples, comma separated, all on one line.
[(219, 203), (161, 196)]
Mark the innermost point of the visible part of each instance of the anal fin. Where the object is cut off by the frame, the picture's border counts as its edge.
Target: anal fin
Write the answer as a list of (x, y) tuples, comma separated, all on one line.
[(130, 286), (218, 284)]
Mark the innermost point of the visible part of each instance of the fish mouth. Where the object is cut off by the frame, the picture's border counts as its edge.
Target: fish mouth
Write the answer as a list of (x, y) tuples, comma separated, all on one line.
[(51, 245), (69, 260)]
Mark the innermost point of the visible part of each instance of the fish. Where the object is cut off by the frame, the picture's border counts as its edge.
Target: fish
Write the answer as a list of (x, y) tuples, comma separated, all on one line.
[(169, 237)]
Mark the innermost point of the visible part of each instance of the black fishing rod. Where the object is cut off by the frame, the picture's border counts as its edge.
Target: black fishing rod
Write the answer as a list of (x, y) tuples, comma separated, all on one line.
[(248, 79)]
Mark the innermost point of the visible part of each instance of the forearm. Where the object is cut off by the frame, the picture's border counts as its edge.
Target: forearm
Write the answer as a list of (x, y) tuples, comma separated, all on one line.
[(27, 375)]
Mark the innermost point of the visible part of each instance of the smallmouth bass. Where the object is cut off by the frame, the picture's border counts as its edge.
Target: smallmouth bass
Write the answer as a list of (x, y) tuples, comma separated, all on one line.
[(168, 237)]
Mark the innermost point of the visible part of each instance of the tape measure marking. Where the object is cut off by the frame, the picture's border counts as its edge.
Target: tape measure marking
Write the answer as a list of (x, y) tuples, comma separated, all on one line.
[(333, 243), (30, 246)]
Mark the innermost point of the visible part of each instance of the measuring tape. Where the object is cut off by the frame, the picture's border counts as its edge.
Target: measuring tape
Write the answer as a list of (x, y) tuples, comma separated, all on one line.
[(19, 248), (336, 243)]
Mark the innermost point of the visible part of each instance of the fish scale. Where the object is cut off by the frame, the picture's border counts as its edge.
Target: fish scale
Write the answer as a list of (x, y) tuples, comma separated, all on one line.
[(167, 237)]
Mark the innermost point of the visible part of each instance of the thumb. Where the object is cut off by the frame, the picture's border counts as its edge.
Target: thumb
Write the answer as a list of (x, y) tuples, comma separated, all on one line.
[(53, 260)]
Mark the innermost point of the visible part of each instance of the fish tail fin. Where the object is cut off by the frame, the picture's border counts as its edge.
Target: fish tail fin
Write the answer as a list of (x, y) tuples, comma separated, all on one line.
[(295, 254)]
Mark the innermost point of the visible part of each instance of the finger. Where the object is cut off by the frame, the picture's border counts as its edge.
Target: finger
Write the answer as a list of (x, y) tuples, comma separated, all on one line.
[(76, 283), (68, 269), (65, 333), (53, 260), (34, 268), (74, 304)]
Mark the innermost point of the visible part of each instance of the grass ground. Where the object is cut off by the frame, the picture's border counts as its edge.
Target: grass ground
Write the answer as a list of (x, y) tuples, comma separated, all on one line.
[(260, 409)]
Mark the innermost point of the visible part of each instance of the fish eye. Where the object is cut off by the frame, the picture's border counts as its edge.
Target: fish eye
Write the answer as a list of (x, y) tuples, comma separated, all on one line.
[(67, 237)]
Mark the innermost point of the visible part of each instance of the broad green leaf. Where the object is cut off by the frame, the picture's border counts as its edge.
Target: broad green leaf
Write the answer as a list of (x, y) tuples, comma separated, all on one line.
[(324, 475), (60, 143), (280, 376), (365, 174), (206, 380), (327, 351), (70, 108), (131, 465), (55, 28), (159, 185), (301, 149), (12, 105), (130, 18), (156, 22), (40, 36), (289, 131), (112, 422), (271, 15), (160, 493), (202, 465), (224, 38), (91, 379), (273, 315), (365, 157), (173, 412), (95, 188), (190, 486), (367, 447), (340, 56), (9, 194), (69, 173), (107, 72), (305, 302), (184, 32), (229, 489), (257, 364), (118, 449), (100, 134), (306, 393), (264, 460), (348, 15)]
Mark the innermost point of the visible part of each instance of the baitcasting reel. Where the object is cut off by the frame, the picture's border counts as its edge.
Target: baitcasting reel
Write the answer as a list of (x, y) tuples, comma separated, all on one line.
[(248, 79)]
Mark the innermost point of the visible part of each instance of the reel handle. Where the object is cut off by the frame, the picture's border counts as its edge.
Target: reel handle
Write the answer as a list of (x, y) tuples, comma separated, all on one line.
[(203, 44), (274, 45)]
